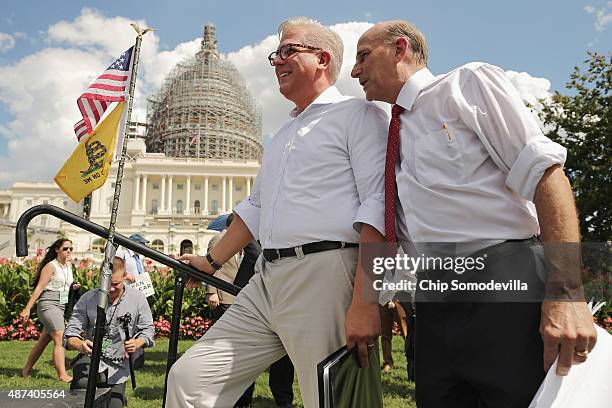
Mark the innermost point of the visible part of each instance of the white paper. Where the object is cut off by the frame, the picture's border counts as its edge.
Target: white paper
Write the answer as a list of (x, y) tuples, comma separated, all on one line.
[(143, 283), (587, 385)]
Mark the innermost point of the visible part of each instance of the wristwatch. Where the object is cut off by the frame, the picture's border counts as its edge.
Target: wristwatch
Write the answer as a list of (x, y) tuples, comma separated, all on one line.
[(216, 265)]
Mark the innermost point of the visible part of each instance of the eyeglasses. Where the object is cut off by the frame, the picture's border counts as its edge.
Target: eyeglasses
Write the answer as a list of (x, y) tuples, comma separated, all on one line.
[(286, 50), (68, 249)]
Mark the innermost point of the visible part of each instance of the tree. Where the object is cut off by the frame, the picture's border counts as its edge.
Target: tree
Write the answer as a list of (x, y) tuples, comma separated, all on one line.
[(582, 123)]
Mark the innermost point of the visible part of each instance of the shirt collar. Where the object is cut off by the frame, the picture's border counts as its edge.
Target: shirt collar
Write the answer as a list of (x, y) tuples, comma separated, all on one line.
[(413, 87), (330, 95)]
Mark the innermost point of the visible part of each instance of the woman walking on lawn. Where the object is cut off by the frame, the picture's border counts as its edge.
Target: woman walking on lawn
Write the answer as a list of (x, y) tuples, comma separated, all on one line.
[(51, 288)]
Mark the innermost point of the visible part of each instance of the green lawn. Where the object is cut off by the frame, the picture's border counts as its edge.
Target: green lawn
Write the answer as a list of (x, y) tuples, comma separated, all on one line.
[(398, 392)]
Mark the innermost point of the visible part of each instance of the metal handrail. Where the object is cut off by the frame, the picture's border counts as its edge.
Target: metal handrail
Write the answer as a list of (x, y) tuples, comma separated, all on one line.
[(21, 243), (21, 240)]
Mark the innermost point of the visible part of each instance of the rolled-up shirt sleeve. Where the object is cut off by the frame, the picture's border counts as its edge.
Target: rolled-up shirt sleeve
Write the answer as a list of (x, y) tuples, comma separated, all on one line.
[(249, 209), (79, 322), (494, 110), (367, 141), (144, 326)]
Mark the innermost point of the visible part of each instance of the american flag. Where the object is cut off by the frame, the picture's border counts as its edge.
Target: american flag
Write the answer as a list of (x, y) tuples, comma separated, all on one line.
[(109, 87)]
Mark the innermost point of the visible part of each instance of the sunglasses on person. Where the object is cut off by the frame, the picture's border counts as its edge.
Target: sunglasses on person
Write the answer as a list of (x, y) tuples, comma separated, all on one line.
[(68, 249), (290, 48)]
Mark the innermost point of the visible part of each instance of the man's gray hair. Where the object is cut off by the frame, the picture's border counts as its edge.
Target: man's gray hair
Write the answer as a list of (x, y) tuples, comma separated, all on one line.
[(395, 29), (318, 35)]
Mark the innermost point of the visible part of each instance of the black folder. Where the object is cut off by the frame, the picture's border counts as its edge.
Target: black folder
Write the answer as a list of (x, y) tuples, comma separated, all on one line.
[(344, 384)]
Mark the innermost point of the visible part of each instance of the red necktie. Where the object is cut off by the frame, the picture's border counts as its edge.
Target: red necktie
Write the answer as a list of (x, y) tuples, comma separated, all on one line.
[(390, 186)]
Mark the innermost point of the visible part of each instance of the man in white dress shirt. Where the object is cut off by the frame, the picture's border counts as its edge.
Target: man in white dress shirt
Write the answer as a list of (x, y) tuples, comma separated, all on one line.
[(475, 170), (134, 265), (318, 195)]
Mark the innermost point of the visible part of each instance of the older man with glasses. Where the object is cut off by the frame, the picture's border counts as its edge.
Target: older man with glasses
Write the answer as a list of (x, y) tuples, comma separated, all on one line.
[(318, 196)]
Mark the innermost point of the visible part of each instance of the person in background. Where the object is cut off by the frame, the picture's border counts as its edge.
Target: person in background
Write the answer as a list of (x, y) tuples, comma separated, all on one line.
[(134, 265), (219, 301), (52, 284), (391, 311), (122, 300)]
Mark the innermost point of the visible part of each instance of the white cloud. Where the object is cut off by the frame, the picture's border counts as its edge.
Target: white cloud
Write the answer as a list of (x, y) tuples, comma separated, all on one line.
[(7, 42), (90, 30), (530, 88), (603, 16)]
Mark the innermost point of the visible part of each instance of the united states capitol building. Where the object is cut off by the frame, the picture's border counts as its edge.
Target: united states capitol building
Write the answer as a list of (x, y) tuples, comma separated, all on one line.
[(195, 158)]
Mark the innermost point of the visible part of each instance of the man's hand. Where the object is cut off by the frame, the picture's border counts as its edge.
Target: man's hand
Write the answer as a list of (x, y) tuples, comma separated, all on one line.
[(198, 262), (568, 331), (362, 327), (130, 277), (213, 301), (86, 347), (133, 344)]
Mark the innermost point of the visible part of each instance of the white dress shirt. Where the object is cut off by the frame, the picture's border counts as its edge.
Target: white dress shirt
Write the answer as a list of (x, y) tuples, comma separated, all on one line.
[(471, 158), (322, 175), (130, 259)]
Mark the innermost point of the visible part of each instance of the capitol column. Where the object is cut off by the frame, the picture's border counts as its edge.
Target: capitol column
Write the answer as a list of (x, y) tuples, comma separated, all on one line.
[(162, 206), (223, 194), (95, 202), (205, 211), (144, 193), (231, 193), (137, 194), (170, 194), (188, 196), (248, 183)]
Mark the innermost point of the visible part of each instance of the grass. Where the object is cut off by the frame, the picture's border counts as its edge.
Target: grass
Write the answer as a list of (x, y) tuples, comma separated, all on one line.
[(397, 391)]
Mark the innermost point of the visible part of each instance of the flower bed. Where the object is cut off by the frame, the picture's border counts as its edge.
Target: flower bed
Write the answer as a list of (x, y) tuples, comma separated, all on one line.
[(15, 289)]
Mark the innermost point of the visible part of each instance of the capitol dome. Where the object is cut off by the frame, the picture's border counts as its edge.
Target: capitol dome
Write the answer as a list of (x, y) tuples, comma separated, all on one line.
[(204, 110)]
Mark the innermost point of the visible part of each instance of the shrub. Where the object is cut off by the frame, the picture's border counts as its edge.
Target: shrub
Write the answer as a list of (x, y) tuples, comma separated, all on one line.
[(19, 330), (15, 290)]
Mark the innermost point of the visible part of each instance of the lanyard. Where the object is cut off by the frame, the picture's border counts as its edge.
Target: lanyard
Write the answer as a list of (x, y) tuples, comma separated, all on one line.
[(64, 272), (110, 322)]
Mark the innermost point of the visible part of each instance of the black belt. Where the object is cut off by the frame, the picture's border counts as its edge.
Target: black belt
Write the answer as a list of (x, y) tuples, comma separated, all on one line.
[(299, 251)]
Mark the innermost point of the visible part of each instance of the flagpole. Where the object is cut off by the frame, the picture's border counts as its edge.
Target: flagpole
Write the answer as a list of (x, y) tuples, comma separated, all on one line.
[(109, 250)]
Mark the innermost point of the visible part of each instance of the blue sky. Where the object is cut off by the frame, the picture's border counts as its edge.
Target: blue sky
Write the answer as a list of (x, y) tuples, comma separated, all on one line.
[(544, 39)]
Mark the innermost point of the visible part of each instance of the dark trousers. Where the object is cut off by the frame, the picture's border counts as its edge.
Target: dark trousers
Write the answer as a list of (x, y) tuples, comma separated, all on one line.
[(80, 376), (280, 380), (481, 353), (409, 339)]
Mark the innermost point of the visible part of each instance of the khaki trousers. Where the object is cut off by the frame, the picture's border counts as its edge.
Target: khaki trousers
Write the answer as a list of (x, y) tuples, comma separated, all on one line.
[(292, 306)]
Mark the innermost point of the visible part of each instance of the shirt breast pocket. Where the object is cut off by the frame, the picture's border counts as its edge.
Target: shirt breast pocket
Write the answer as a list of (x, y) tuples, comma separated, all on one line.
[(438, 159)]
